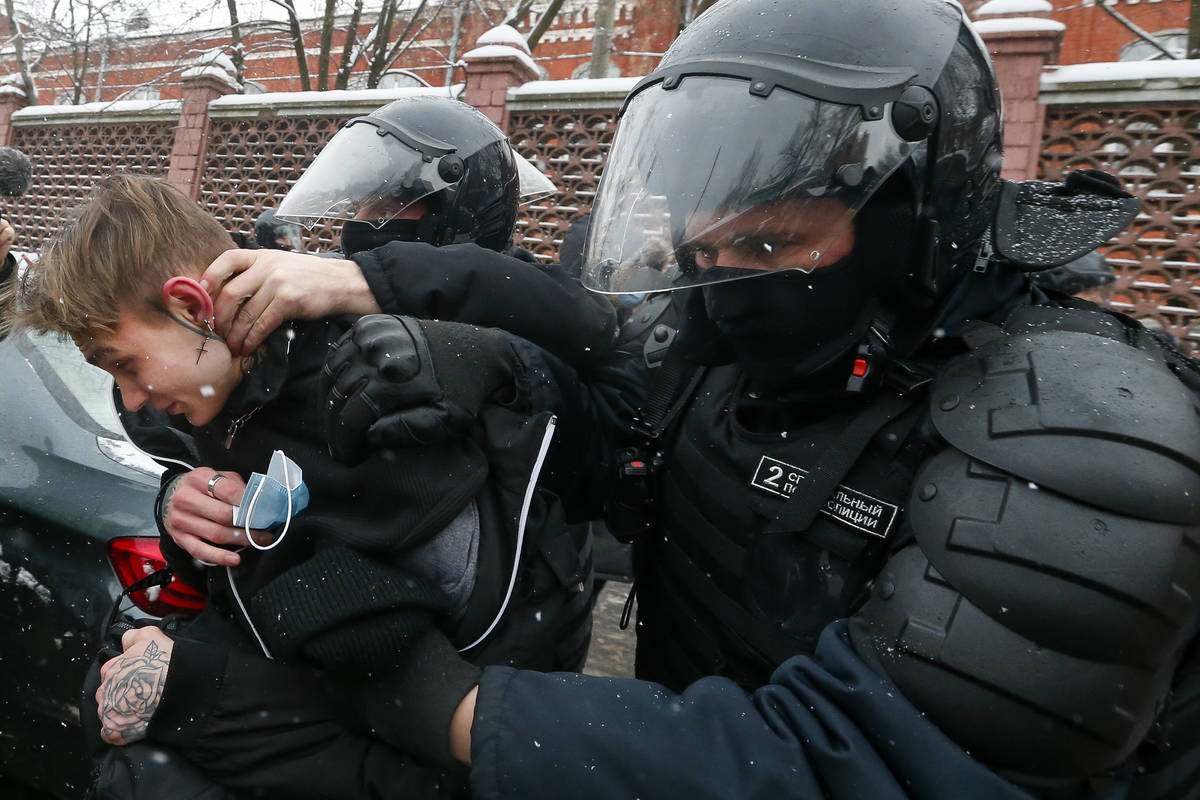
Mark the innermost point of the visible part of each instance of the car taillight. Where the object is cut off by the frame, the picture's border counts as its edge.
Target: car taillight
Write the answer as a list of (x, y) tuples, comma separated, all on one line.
[(135, 557)]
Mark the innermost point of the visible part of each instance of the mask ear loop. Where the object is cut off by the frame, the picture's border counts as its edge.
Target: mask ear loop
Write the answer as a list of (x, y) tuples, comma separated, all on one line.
[(287, 485)]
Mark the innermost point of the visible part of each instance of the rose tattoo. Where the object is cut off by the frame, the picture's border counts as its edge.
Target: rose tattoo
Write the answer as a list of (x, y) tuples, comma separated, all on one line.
[(131, 694)]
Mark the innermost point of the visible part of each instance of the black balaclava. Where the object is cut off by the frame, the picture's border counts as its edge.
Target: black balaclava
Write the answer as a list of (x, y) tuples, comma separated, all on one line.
[(787, 326), (791, 330), (358, 236)]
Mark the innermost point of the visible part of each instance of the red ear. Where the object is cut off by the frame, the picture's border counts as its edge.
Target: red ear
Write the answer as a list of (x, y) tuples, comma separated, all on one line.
[(191, 291)]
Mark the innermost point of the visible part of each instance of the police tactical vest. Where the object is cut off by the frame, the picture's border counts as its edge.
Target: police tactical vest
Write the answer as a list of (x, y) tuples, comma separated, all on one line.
[(729, 592)]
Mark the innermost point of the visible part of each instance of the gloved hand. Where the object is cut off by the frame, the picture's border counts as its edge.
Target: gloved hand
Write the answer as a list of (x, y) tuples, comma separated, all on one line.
[(396, 381), (372, 628)]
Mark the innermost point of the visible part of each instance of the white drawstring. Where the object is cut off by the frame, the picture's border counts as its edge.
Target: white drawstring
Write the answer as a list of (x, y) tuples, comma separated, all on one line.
[(512, 582)]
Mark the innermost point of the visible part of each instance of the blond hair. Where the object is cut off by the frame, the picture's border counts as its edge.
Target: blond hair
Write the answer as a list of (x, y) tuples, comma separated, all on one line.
[(116, 252)]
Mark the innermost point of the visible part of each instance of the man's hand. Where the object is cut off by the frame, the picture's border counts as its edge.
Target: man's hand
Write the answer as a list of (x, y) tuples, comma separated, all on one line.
[(397, 382), (131, 685), (202, 523), (255, 291)]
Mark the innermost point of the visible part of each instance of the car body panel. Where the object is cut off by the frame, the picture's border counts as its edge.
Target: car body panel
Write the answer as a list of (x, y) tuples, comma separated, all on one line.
[(70, 481)]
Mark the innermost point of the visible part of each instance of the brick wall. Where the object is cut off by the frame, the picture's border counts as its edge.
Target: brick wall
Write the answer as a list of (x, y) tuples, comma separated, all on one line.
[(1093, 36), (643, 26)]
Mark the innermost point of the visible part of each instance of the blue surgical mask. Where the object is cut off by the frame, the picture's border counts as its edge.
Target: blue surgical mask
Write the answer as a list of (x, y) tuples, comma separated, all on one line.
[(631, 300), (270, 501)]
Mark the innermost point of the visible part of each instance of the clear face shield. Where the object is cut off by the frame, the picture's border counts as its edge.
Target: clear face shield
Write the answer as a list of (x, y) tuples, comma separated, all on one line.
[(372, 170), (708, 183)]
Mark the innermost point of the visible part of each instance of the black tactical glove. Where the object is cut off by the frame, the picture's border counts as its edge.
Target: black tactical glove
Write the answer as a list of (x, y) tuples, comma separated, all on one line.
[(396, 381)]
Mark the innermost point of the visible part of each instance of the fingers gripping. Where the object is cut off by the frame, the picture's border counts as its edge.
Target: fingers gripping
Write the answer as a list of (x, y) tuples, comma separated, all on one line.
[(380, 368)]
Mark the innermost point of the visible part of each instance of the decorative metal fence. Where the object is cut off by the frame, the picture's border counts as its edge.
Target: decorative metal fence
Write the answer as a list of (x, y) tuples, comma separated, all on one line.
[(251, 164), (69, 152), (1151, 141), (258, 146), (570, 146)]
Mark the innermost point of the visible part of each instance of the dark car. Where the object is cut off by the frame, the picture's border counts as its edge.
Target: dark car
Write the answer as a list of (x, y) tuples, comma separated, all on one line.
[(76, 525)]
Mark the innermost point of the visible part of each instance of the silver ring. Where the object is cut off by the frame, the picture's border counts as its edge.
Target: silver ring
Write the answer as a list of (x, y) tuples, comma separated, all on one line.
[(213, 482)]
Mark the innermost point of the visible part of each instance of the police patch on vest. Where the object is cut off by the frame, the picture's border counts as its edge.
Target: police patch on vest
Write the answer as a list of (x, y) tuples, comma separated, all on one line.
[(852, 508)]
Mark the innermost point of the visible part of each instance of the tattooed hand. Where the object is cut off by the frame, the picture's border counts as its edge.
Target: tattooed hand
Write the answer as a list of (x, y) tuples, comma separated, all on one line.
[(131, 685)]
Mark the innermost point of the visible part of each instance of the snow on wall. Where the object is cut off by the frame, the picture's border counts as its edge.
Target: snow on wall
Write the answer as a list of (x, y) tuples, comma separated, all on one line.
[(504, 51), (577, 87), (1014, 24), (1123, 71), (111, 107), (503, 34), (335, 96), (994, 7)]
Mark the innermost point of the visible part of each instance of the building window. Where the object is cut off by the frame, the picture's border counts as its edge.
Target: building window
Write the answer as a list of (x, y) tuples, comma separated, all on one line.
[(141, 93), (401, 78), (1174, 40)]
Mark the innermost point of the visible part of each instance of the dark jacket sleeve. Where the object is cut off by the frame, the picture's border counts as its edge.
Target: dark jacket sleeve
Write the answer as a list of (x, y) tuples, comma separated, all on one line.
[(824, 727), (469, 283), (594, 409), (266, 727)]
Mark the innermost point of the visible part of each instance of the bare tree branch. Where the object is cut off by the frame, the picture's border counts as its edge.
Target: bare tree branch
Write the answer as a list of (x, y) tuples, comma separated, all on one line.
[(455, 36), (518, 13), (1193, 42), (235, 39), (379, 44), (1138, 32), (326, 44), (19, 50), (602, 38), (543, 24), (347, 62), (297, 42), (399, 50)]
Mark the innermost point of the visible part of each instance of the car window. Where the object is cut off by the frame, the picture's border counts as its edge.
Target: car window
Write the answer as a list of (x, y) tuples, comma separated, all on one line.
[(85, 392)]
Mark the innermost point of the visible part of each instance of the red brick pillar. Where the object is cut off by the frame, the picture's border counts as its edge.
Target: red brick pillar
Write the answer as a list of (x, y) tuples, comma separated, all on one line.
[(12, 99), (499, 62), (1021, 44), (191, 134)]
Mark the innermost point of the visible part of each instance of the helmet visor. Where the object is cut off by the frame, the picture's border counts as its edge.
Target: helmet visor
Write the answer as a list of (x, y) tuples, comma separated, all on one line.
[(363, 174), (709, 183), (535, 185)]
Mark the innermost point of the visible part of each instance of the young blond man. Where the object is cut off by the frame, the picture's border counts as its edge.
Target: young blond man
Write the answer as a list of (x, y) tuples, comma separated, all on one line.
[(417, 538)]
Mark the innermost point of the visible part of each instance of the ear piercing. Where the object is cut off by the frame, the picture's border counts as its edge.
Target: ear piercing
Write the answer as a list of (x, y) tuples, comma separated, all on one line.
[(208, 334)]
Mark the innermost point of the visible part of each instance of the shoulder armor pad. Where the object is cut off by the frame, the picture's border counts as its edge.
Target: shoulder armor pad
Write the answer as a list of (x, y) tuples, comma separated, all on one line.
[(1084, 415), (1091, 583), (1040, 224)]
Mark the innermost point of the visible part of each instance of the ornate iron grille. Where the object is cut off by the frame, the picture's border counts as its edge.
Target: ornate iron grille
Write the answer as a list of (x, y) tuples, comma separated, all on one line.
[(570, 147), (251, 163), (1155, 151), (68, 159)]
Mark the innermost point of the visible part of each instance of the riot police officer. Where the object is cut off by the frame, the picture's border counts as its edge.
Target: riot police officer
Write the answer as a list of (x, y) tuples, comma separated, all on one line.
[(903, 531), (880, 427)]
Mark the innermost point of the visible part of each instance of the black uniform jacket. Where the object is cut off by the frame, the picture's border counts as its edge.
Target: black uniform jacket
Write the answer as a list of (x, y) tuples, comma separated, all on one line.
[(824, 725)]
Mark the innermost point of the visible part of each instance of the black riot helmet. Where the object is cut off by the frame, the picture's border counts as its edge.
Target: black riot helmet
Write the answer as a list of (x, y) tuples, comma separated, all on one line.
[(422, 148), (273, 233), (822, 109)]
